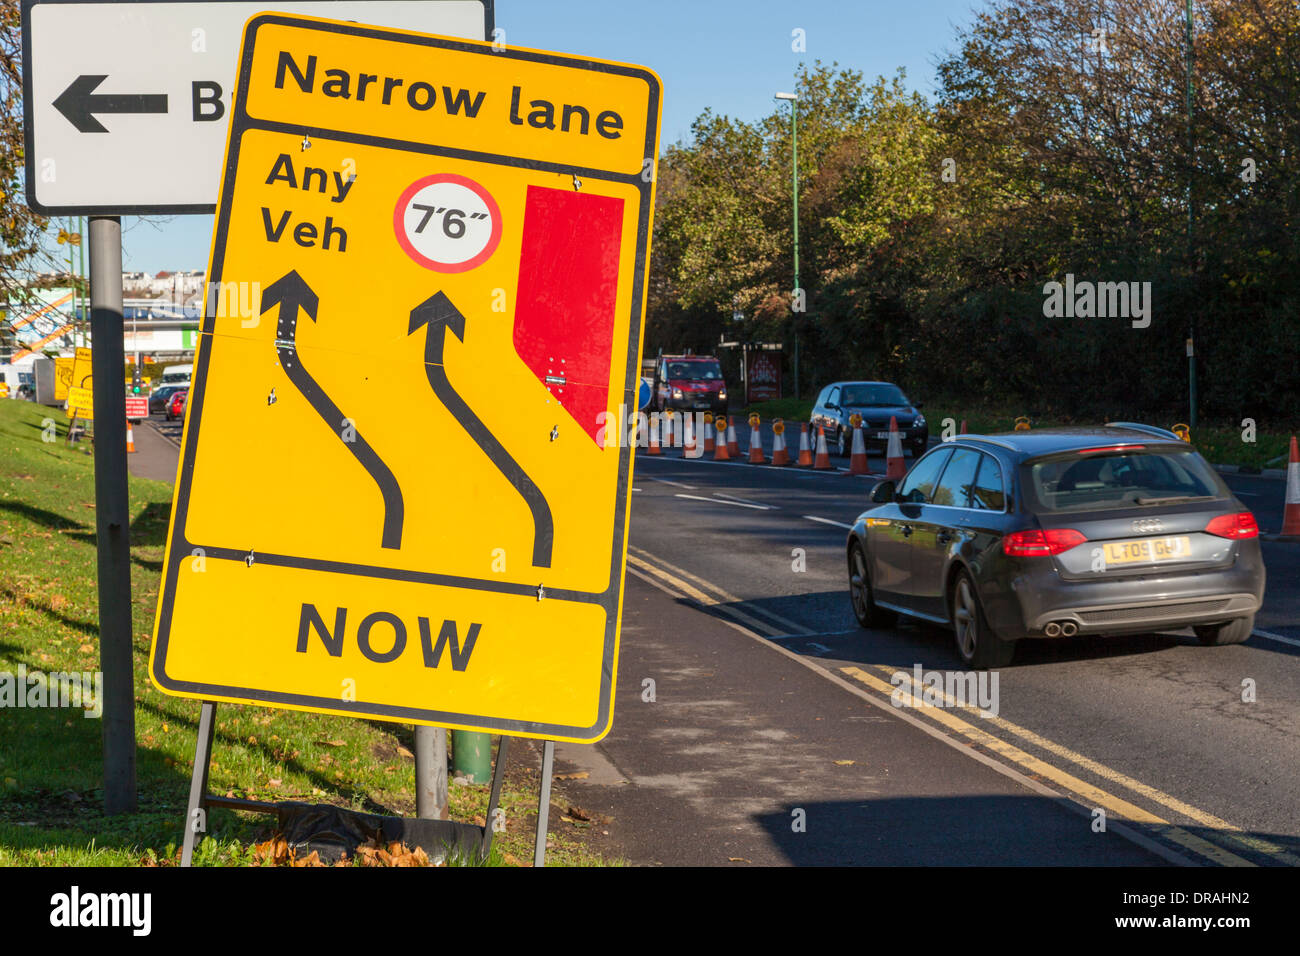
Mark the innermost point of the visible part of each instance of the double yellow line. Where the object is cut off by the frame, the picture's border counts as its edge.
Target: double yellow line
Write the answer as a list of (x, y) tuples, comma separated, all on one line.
[(714, 599)]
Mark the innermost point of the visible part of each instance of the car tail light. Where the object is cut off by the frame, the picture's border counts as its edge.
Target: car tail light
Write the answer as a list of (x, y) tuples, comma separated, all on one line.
[(1240, 525), (1035, 543)]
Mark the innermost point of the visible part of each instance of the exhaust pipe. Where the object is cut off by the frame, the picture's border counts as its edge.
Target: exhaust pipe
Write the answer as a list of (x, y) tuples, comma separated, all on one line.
[(1052, 630), (1069, 629)]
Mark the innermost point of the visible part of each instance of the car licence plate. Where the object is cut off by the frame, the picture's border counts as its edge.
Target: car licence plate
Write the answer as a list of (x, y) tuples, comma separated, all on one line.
[(882, 434), (1148, 549)]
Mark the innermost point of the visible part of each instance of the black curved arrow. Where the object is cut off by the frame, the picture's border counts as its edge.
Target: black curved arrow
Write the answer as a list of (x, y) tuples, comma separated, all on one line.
[(79, 102), (440, 315), (291, 293)]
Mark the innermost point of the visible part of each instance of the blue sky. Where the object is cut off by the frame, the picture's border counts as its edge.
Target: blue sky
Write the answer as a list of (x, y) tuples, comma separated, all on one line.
[(731, 55)]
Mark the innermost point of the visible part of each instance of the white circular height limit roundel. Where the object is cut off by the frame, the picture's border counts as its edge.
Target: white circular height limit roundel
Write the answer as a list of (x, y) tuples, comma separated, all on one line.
[(447, 222)]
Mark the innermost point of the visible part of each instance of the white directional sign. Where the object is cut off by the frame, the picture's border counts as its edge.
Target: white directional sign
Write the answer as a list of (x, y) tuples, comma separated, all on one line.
[(126, 102)]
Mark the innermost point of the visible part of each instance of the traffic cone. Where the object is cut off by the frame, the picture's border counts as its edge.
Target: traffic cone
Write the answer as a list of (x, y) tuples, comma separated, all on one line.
[(779, 455), (805, 452), (963, 427), (130, 438), (894, 465), (756, 456), (652, 425), (1291, 511), (858, 460), (720, 452), (668, 429), (688, 437), (823, 460), (733, 446), (708, 433)]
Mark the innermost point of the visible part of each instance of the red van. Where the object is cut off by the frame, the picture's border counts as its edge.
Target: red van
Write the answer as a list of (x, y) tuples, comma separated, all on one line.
[(689, 383)]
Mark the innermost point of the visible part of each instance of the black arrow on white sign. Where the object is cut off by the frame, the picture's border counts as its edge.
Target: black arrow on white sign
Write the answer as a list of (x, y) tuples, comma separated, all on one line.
[(79, 102)]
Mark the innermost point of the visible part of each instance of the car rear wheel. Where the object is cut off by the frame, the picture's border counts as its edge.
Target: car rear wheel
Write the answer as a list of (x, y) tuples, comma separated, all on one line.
[(977, 644), (860, 594), (1233, 632)]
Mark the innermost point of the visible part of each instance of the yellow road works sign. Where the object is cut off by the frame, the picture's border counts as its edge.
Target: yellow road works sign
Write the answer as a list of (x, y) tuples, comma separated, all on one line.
[(62, 378), (426, 298), (80, 387)]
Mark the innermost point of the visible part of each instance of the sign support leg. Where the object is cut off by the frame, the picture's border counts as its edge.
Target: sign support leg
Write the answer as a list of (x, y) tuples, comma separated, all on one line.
[(544, 803), (498, 779), (112, 514), (195, 813), (431, 772)]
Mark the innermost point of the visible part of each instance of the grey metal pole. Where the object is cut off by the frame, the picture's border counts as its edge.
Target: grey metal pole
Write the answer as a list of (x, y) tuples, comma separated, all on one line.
[(431, 773), (544, 804), (112, 514)]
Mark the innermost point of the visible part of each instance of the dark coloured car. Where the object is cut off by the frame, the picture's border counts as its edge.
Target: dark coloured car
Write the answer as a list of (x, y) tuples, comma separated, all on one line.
[(160, 398), (1051, 533), (689, 383), (877, 403)]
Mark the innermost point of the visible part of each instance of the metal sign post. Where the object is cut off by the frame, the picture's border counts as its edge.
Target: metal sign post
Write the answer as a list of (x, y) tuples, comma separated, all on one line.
[(112, 514)]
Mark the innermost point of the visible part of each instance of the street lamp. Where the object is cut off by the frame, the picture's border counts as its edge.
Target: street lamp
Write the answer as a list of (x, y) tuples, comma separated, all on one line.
[(794, 165)]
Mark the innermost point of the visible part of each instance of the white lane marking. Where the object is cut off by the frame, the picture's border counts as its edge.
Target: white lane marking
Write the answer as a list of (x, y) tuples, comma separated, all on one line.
[(1268, 635), (636, 489), (795, 470), (838, 524), (750, 501), (675, 484), (719, 501), (801, 637)]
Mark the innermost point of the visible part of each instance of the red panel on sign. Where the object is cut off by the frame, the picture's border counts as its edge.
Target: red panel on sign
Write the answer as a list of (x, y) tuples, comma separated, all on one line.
[(137, 407), (564, 305)]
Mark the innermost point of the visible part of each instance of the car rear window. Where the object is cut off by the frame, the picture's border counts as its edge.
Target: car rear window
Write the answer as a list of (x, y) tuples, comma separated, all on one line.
[(1126, 479)]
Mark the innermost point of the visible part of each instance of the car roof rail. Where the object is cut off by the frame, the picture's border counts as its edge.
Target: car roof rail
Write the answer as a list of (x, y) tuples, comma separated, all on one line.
[(991, 441), (1149, 429)]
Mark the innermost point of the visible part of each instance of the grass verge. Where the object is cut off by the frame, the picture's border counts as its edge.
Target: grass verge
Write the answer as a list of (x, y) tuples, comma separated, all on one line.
[(51, 811)]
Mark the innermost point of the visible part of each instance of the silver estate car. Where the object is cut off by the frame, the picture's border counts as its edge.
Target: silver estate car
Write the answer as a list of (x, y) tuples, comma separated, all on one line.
[(1056, 532)]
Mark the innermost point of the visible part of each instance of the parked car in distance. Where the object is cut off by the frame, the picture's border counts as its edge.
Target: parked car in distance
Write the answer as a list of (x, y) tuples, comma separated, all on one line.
[(161, 396), (877, 403), (1057, 532), (689, 383), (176, 406)]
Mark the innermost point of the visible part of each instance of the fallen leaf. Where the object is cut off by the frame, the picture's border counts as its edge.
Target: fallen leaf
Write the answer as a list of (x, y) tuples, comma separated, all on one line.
[(580, 775), (330, 743), (737, 859), (844, 763), (587, 816), (404, 752)]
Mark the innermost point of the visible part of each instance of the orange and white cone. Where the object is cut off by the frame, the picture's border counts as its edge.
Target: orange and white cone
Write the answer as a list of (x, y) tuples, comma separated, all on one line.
[(688, 437), (708, 433), (652, 426), (1291, 511), (130, 437), (756, 456), (963, 427), (733, 446), (858, 460), (805, 451), (895, 467), (779, 455), (666, 421), (720, 452), (823, 460)]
